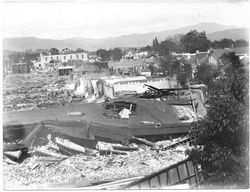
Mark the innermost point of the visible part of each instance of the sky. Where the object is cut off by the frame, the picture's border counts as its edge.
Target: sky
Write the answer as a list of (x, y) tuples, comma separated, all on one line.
[(61, 19)]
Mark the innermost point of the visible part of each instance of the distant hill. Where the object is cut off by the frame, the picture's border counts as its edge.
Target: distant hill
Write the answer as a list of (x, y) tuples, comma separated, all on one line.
[(235, 34), (213, 30)]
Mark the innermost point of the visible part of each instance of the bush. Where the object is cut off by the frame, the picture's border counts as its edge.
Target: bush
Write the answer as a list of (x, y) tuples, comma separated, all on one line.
[(224, 132)]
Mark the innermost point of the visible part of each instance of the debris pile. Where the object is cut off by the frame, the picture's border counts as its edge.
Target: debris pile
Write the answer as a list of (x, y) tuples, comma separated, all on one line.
[(36, 91), (59, 161), (185, 113)]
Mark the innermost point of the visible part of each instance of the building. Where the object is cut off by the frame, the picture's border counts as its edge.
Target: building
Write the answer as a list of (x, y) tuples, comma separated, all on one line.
[(63, 57), (146, 72), (140, 55), (211, 56), (124, 67), (65, 70), (94, 58)]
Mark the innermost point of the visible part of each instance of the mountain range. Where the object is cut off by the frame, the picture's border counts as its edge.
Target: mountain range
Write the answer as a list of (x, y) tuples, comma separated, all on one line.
[(214, 31)]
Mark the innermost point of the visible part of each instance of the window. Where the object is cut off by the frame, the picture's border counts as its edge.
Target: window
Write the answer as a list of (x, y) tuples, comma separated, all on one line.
[(64, 57), (119, 105), (70, 56), (51, 58), (77, 56), (46, 58), (57, 58), (82, 56)]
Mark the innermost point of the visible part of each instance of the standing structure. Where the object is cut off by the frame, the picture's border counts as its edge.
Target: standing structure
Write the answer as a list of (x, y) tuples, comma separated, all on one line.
[(63, 57)]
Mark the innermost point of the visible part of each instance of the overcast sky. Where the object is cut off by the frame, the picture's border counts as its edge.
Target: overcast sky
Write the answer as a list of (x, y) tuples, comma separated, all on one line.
[(95, 19)]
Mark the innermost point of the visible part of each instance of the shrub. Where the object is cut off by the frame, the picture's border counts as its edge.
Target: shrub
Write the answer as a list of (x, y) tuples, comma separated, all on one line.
[(224, 132)]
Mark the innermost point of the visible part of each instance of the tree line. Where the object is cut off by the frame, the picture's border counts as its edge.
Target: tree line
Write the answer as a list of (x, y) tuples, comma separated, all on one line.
[(190, 43)]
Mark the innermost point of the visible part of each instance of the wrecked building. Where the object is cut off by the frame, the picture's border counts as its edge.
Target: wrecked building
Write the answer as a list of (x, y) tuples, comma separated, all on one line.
[(65, 70), (20, 68)]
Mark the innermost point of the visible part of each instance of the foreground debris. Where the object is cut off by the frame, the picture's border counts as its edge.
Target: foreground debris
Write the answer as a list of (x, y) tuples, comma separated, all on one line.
[(50, 165)]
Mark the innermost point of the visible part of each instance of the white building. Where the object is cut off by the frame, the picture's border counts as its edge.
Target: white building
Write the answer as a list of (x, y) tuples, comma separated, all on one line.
[(64, 57), (142, 54), (146, 72)]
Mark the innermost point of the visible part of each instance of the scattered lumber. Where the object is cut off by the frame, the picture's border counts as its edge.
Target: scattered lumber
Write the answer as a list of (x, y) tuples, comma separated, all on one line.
[(13, 154), (176, 143), (44, 151), (9, 161), (125, 148), (12, 147), (69, 145), (112, 151), (144, 141), (27, 141)]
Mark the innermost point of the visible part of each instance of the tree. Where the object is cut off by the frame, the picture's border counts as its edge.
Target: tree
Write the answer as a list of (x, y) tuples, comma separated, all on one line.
[(155, 45), (241, 43), (54, 51), (227, 43), (79, 50), (194, 41), (147, 48), (205, 74), (115, 54), (223, 43), (167, 64), (172, 66), (233, 72), (104, 54), (224, 132), (184, 73), (167, 47), (177, 40)]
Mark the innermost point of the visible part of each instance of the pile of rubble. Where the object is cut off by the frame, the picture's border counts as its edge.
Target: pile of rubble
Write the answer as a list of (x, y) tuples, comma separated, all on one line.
[(61, 162), (36, 91)]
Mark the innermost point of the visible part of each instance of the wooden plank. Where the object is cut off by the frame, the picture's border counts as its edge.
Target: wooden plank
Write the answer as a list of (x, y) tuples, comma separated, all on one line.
[(144, 185), (144, 141), (11, 147), (173, 176), (26, 142), (189, 179), (109, 151), (183, 171), (13, 154), (9, 161), (154, 183), (125, 148), (70, 145), (45, 152), (163, 179), (169, 176)]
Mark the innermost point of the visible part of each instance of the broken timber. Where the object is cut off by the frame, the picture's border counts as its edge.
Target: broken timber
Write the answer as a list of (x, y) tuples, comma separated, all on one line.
[(27, 141), (44, 151), (144, 141), (68, 145), (125, 148), (112, 151)]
